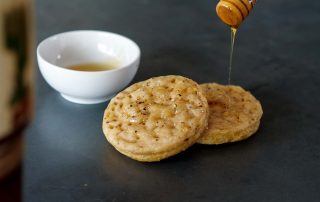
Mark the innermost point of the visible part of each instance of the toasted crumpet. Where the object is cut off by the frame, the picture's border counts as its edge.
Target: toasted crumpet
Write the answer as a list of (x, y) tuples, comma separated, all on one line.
[(234, 114), (157, 118)]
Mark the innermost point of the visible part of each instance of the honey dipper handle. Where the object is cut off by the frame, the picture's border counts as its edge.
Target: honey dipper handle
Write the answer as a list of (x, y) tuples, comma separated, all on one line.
[(233, 12)]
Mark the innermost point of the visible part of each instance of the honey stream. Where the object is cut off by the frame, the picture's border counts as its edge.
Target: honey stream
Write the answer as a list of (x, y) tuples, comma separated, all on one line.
[(233, 37)]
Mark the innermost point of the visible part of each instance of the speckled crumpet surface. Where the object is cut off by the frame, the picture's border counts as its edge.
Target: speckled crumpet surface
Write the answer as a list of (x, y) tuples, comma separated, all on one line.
[(157, 118), (234, 114)]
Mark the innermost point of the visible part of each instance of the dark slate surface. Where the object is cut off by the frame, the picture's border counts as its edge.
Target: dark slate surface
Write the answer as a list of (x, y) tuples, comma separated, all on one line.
[(277, 57)]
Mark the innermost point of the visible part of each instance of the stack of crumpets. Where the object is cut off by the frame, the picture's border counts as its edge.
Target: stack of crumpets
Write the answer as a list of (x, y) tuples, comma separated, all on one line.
[(162, 116)]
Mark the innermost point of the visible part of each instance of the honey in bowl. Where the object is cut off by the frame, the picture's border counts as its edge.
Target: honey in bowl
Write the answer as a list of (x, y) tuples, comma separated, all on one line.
[(98, 66)]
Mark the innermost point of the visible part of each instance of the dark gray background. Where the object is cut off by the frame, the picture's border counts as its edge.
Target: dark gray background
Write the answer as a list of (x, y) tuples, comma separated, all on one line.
[(277, 57)]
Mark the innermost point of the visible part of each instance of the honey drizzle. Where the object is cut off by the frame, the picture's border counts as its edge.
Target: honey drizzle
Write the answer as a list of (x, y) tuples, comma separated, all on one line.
[(233, 36)]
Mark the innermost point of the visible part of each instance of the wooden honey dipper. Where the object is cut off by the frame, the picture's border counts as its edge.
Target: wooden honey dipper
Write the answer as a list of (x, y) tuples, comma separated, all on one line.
[(233, 12)]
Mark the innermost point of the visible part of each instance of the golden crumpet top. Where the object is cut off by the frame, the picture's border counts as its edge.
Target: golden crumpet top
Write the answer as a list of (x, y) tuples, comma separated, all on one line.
[(234, 114), (156, 118)]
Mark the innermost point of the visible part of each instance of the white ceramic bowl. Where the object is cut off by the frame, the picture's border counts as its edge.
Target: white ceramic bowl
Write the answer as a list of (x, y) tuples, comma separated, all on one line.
[(60, 51)]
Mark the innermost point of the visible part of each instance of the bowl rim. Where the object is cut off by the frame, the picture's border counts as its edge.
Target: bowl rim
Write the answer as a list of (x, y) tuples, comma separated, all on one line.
[(39, 55)]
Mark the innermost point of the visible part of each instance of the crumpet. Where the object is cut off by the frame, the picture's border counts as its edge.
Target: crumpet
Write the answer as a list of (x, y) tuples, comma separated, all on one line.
[(234, 114), (157, 118)]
